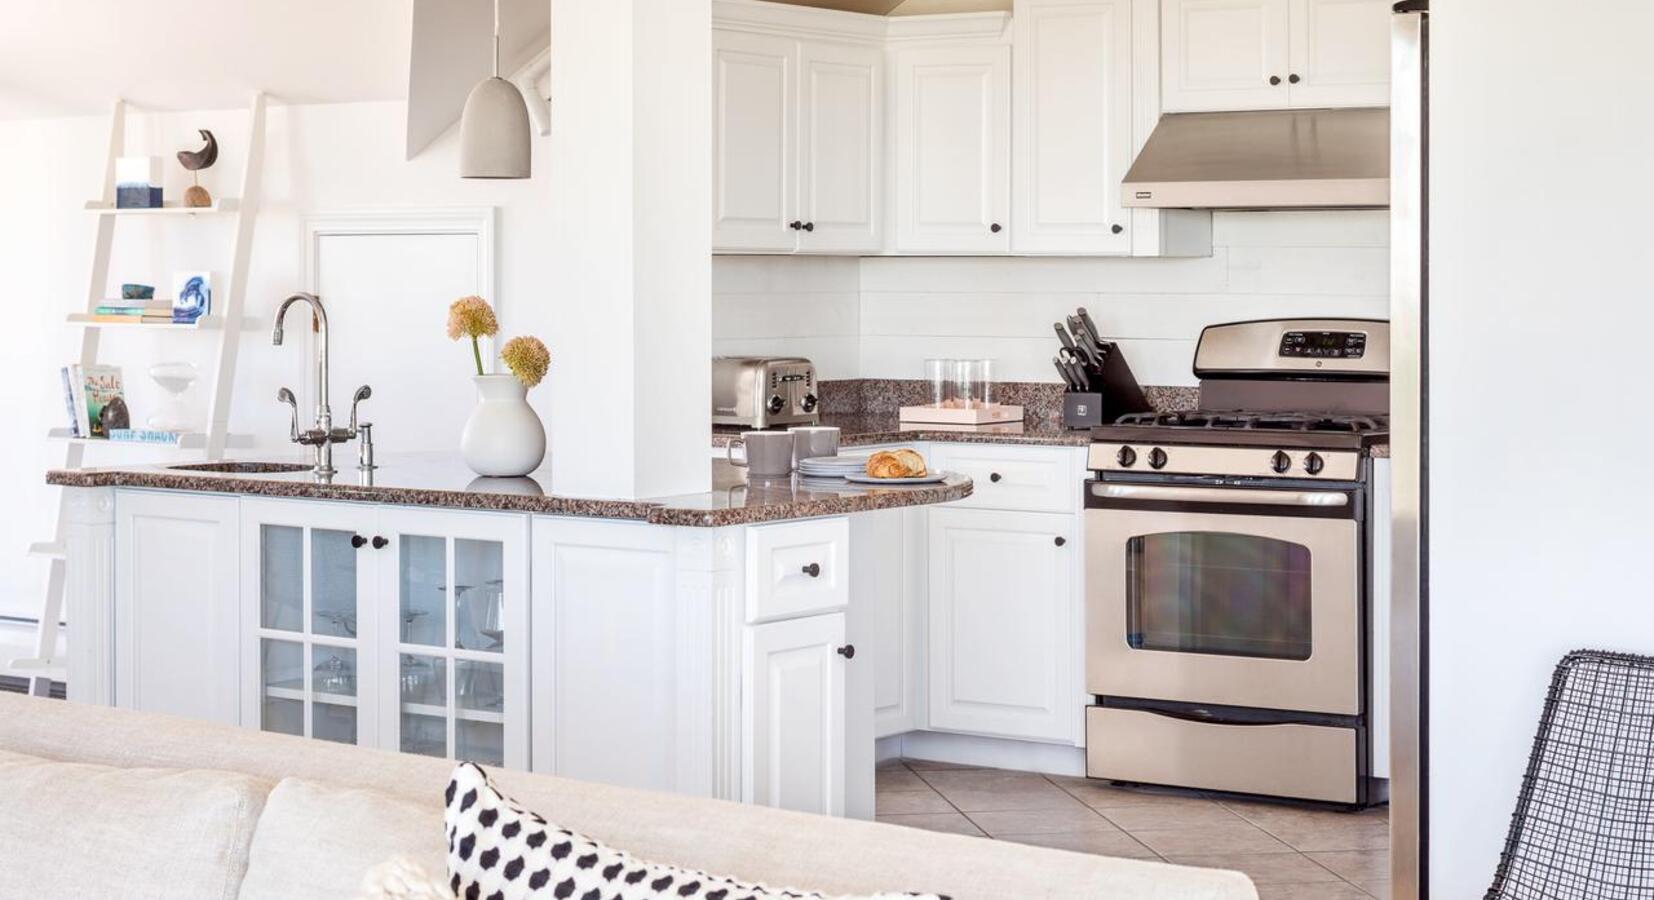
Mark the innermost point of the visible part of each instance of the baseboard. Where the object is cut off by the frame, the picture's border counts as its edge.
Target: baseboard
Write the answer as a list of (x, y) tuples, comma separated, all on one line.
[(975, 750)]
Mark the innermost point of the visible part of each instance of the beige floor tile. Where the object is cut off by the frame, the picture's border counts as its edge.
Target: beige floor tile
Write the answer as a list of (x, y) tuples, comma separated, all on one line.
[(1100, 843), (1102, 795), (1354, 835), (1237, 838), (1328, 891), (1037, 821), (1379, 889), (909, 802), (1160, 816), (1283, 815), (952, 823), (897, 778), (1263, 868), (936, 766), (1362, 867), (994, 789)]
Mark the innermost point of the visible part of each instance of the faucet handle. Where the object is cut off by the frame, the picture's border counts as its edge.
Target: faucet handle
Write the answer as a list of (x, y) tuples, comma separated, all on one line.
[(362, 393), (286, 396)]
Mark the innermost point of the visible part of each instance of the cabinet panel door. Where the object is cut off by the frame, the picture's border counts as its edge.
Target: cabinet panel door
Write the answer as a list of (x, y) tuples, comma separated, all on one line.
[(176, 642), (1073, 126), (887, 598), (308, 617), (792, 715), (754, 125), (1003, 620), (1341, 52), (841, 146), (453, 638), (1221, 54), (953, 149)]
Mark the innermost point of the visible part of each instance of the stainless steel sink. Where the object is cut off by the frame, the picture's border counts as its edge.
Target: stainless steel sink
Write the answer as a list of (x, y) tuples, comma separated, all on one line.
[(244, 468)]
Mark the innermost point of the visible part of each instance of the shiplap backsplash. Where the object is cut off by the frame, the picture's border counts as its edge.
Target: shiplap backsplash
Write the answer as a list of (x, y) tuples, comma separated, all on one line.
[(881, 317)]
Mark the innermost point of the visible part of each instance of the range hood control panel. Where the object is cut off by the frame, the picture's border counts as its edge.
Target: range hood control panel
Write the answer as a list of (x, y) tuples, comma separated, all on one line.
[(1324, 344)]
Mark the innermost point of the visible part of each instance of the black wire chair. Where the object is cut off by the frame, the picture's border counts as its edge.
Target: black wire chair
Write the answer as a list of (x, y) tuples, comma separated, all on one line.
[(1584, 822)]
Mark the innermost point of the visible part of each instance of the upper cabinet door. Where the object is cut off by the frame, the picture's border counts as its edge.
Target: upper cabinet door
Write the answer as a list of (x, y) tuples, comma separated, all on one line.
[(953, 149), (1224, 54), (841, 144), (1073, 126), (754, 124), (1340, 53)]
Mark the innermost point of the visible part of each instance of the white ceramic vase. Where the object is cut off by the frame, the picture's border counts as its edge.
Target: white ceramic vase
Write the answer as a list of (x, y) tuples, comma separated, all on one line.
[(503, 438)]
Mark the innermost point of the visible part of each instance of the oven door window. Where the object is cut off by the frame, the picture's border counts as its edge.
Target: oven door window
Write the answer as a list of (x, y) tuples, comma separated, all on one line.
[(1220, 593)]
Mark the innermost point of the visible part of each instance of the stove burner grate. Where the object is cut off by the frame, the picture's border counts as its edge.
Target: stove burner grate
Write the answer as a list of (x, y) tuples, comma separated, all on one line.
[(1257, 421)]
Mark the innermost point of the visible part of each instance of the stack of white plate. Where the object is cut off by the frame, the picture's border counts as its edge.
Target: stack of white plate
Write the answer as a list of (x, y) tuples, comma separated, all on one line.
[(832, 466)]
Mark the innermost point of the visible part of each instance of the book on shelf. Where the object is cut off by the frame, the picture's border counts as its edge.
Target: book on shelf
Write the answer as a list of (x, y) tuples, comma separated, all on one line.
[(89, 390), (71, 402), (143, 436)]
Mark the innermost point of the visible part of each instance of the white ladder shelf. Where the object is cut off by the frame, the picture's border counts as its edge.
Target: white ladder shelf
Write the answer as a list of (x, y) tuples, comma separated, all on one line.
[(226, 320)]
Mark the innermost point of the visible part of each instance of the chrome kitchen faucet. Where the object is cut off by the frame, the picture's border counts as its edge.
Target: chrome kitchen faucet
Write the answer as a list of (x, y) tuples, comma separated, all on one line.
[(322, 435)]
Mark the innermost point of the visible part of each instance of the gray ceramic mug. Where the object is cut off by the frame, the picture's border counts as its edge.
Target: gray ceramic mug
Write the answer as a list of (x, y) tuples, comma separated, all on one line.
[(814, 441), (769, 453)]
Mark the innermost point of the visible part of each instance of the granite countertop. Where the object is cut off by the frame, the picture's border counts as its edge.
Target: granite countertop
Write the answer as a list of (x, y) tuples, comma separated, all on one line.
[(442, 480), (864, 429)]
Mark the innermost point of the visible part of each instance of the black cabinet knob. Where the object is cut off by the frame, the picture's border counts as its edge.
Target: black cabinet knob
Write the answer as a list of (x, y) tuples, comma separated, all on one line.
[(1274, 79), (1157, 458), (848, 651), (1313, 464), (379, 543), (1127, 457), (1060, 541), (813, 570), (358, 541), (995, 228), (795, 225), (1293, 78), (809, 226), (1116, 229), (995, 477), (1280, 462)]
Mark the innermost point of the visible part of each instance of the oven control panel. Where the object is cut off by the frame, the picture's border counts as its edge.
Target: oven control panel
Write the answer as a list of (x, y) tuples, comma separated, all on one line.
[(1324, 344), (1254, 462)]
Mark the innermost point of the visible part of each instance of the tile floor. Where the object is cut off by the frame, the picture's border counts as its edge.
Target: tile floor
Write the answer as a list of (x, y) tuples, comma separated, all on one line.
[(1290, 852)]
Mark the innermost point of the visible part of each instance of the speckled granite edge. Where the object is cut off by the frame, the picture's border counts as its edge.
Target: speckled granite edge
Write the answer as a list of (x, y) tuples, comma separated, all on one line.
[(652, 512)]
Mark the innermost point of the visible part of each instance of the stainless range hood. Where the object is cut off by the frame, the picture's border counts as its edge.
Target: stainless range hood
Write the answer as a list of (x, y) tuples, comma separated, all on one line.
[(1269, 159)]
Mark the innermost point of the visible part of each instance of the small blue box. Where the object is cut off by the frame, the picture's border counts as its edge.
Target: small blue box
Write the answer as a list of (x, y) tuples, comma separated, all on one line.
[(137, 196)]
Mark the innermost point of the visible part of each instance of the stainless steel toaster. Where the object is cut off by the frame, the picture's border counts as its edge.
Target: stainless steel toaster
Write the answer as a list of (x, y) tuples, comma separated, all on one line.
[(762, 391)]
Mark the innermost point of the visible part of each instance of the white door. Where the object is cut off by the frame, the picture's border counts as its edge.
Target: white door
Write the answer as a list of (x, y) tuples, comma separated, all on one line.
[(841, 144), (308, 583), (1002, 621), (176, 641), (1073, 126), (453, 637), (1224, 54), (611, 700), (1340, 53), (953, 149), (792, 714), (754, 125), (887, 595)]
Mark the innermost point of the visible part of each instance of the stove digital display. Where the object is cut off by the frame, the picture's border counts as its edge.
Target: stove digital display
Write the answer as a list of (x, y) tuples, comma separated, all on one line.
[(1325, 344)]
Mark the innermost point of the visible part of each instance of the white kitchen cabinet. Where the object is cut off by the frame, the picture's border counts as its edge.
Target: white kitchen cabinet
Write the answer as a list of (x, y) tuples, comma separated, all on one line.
[(1003, 616), (792, 714), (1274, 54), (1073, 126), (797, 145), (175, 618), (400, 628), (888, 588), (953, 149)]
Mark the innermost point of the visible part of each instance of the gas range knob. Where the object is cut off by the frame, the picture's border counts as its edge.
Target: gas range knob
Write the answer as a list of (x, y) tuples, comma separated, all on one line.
[(1127, 457), (1280, 462), (1313, 464), (1157, 458), (776, 404)]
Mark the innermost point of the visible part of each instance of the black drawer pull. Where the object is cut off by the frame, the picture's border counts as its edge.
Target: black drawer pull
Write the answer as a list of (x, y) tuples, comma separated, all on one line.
[(1060, 541), (358, 541), (848, 651), (813, 570), (995, 477), (379, 543)]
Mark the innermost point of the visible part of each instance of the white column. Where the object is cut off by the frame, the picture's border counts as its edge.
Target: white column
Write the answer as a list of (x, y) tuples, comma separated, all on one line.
[(629, 301)]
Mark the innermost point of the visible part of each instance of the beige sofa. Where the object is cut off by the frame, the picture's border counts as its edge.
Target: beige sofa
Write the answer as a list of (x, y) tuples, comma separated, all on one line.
[(98, 802)]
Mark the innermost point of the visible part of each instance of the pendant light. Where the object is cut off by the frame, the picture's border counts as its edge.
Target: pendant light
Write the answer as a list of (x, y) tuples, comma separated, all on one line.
[(493, 130)]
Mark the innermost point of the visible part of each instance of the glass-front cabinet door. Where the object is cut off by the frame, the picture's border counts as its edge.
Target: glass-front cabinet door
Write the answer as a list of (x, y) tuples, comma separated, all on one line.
[(455, 611), (309, 581)]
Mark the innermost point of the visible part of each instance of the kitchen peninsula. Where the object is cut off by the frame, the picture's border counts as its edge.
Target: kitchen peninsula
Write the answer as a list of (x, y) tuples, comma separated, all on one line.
[(704, 644)]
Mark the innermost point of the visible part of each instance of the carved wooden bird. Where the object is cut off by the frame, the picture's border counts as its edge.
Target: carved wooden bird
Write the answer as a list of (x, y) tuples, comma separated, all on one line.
[(195, 160)]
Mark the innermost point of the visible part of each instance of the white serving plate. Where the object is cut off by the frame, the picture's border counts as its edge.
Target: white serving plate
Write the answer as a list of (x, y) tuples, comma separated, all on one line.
[(863, 478)]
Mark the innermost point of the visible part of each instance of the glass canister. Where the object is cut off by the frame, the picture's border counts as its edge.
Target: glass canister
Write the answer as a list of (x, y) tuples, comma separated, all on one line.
[(942, 376), (975, 383)]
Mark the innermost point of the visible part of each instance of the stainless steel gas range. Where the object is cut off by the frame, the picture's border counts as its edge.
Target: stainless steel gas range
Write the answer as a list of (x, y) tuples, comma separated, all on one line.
[(1229, 564)]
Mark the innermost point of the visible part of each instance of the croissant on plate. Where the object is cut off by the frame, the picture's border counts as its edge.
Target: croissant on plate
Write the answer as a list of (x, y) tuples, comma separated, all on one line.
[(902, 463)]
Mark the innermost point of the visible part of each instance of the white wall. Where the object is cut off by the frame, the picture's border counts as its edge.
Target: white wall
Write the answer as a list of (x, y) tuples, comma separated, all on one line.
[(1540, 317), (1263, 264), (319, 158)]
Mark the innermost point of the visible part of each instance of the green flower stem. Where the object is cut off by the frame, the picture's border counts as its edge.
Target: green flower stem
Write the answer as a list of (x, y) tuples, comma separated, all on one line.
[(476, 352)]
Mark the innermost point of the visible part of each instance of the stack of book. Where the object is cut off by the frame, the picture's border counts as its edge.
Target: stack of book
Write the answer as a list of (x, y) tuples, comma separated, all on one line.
[(86, 391), (133, 310)]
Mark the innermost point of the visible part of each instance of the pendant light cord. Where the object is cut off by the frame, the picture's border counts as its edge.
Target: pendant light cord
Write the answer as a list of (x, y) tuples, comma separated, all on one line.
[(496, 38)]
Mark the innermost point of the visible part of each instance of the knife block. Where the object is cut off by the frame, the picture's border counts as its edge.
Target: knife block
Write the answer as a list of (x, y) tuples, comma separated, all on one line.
[(1081, 409)]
